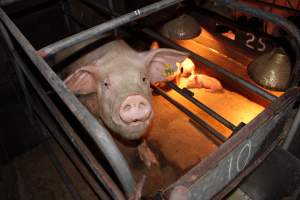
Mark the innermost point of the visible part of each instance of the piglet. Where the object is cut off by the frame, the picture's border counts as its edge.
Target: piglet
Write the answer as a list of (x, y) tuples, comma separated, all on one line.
[(113, 82), (203, 81)]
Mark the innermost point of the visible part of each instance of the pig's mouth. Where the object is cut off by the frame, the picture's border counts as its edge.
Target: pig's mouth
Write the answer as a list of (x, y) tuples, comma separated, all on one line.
[(132, 116), (135, 123), (134, 129)]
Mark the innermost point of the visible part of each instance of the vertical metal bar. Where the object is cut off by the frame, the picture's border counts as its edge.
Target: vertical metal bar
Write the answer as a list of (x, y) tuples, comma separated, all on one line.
[(47, 122), (65, 6), (97, 169), (111, 7), (293, 131), (65, 178), (105, 27), (20, 77), (98, 133)]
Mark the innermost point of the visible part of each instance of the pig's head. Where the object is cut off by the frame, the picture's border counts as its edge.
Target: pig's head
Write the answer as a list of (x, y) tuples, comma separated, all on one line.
[(122, 85)]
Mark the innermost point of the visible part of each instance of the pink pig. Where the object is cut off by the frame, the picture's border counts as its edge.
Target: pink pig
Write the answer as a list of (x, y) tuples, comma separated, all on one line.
[(113, 82), (203, 81)]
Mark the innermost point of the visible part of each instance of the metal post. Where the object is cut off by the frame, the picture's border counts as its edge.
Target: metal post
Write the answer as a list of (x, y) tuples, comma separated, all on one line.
[(97, 132), (105, 27), (293, 131)]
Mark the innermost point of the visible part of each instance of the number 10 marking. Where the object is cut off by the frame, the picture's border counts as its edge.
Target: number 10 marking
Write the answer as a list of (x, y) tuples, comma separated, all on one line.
[(238, 164)]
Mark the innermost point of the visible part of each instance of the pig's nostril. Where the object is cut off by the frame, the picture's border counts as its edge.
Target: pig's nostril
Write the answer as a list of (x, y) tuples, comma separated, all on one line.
[(127, 107)]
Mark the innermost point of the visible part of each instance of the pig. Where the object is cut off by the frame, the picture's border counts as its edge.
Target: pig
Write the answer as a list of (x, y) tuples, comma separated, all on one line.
[(113, 82), (187, 68), (204, 81)]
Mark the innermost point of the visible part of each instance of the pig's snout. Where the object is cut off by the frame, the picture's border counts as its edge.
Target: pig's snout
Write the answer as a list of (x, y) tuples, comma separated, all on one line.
[(135, 109)]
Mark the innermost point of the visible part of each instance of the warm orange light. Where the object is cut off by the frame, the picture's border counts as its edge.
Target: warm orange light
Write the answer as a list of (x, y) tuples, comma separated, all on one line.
[(229, 35), (154, 45)]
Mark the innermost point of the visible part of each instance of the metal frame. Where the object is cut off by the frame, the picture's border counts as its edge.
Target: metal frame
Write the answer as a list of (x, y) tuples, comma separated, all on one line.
[(285, 24), (99, 172), (99, 134)]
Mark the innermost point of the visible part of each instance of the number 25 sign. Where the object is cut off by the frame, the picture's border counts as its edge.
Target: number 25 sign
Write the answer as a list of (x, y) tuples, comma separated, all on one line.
[(252, 41)]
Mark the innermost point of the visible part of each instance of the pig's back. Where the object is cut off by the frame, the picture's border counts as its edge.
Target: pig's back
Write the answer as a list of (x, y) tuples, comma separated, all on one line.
[(105, 53)]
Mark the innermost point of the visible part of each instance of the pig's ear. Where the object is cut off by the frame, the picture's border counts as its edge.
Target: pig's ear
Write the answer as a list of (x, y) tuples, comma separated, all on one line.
[(83, 80), (161, 63)]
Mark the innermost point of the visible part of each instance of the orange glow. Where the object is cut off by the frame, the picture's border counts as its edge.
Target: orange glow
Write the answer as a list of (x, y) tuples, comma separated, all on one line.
[(154, 45), (229, 35), (231, 105)]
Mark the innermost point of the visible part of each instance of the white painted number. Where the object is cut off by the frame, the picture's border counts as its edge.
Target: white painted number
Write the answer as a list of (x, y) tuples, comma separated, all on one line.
[(241, 161), (263, 45), (250, 42), (246, 148)]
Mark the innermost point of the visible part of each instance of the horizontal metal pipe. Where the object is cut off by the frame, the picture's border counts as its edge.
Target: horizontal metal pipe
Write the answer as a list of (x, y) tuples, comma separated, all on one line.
[(98, 132), (105, 27), (169, 43), (189, 113), (209, 64), (212, 113), (61, 171), (8, 2), (285, 24)]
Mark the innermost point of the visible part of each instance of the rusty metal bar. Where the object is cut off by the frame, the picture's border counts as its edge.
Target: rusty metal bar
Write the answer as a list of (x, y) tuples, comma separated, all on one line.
[(76, 141), (285, 24), (190, 114), (105, 27), (98, 133)]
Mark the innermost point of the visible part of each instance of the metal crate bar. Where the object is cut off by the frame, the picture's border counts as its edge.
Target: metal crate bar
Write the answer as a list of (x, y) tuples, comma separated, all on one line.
[(58, 46), (285, 24), (97, 132), (209, 64), (200, 105), (189, 113), (99, 172), (8, 2)]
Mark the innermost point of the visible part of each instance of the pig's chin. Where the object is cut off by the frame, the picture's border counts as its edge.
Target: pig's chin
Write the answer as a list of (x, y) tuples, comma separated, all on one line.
[(132, 131)]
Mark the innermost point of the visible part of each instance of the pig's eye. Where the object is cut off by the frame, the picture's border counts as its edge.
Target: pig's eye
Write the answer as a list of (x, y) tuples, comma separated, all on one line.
[(106, 84), (144, 79)]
